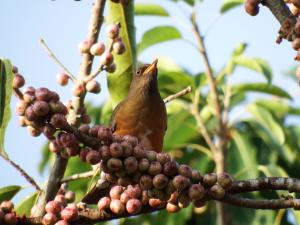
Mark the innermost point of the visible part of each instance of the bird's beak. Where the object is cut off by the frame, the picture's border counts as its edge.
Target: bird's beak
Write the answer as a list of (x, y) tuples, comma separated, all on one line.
[(152, 67)]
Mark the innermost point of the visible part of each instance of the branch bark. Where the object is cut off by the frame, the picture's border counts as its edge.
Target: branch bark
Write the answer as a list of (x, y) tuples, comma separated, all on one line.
[(74, 116)]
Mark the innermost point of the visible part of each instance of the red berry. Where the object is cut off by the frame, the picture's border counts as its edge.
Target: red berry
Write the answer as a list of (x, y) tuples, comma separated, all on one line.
[(84, 46), (112, 31), (103, 203), (115, 192), (69, 214), (78, 90), (156, 203), (133, 206), (97, 48), (53, 207), (130, 165), (116, 150), (18, 81), (154, 168), (185, 170), (6, 206), (114, 164), (111, 68), (10, 219), (49, 219), (172, 208), (43, 94), (160, 181), (93, 157), (106, 59), (210, 179), (180, 182), (93, 87), (119, 47), (170, 168), (62, 79), (196, 191), (117, 207), (41, 108)]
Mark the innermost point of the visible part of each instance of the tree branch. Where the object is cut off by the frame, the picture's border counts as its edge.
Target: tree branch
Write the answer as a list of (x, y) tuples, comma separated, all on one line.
[(52, 55), (265, 183), (74, 115), (280, 10), (178, 95), (22, 172), (261, 204)]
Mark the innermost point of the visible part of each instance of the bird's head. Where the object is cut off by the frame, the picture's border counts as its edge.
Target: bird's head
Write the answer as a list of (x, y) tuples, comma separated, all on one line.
[(145, 79)]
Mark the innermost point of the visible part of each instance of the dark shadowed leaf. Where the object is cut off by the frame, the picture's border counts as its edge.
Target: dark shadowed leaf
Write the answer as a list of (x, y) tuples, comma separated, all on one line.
[(158, 35), (268, 122), (243, 155), (143, 9), (181, 130), (230, 4), (261, 87), (24, 207), (6, 78), (8, 192)]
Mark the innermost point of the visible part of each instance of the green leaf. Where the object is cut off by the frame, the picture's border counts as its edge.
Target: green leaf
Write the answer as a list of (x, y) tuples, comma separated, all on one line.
[(268, 122), (239, 49), (255, 64), (261, 87), (181, 130), (8, 192), (189, 2), (149, 10), (119, 81), (230, 4), (273, 170), (24, 207), (246, 157), (158, 35), (6, 78)]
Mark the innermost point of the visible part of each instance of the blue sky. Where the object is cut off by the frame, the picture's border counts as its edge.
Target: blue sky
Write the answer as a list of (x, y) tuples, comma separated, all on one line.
[(63, 24)]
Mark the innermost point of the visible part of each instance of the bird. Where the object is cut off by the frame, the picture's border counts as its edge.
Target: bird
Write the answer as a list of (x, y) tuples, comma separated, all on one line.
[(143, 112)]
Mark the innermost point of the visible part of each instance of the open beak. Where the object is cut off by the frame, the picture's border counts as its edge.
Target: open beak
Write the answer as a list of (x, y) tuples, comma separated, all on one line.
[(152, 67)]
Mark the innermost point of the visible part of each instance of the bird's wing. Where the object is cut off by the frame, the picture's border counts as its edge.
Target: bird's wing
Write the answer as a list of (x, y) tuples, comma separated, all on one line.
[(112, 119)]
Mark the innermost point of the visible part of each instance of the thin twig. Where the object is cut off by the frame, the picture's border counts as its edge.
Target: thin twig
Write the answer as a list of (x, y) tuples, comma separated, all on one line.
[(52, 55), (22, 172), (202, 129), (18, 93), (227, 98), (177, 95), (79, 176)]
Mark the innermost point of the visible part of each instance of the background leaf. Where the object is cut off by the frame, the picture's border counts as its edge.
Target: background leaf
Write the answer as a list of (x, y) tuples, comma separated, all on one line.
[(6, 78), (143, 9), (261, 87), (8, 192), (256, 64), (230, 4), (158, 35), (267, 121), (24, 207)]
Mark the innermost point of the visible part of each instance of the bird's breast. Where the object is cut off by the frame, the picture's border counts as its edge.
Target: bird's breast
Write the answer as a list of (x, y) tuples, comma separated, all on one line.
[(147, 122)]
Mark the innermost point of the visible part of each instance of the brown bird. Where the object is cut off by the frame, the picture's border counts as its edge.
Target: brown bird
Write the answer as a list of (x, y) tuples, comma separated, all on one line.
[(143, 113)]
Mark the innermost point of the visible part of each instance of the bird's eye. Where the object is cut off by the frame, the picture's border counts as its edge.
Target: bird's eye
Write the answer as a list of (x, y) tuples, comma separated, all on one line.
[(139, 72)]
